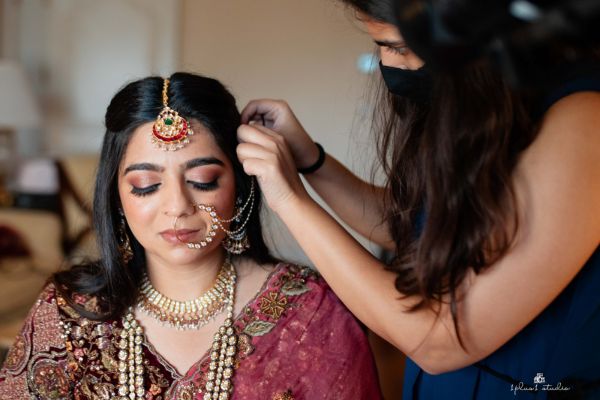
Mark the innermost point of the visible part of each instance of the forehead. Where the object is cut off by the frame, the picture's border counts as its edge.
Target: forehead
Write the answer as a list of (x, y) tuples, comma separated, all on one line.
[(202, 144), (381, 31)]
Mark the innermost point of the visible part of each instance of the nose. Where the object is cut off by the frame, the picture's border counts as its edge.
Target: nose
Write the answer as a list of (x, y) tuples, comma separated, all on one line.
[(177, 200)]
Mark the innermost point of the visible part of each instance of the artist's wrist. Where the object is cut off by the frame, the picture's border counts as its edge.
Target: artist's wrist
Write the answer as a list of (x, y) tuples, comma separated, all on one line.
[(293, 205), (319, 160)]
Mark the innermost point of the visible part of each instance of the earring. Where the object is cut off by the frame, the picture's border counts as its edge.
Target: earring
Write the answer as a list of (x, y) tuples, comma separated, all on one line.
[(124, 244), (236, 243)]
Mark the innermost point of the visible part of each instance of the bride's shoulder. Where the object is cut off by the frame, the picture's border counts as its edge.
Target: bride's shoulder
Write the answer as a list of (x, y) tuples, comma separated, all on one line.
[(295, 280)]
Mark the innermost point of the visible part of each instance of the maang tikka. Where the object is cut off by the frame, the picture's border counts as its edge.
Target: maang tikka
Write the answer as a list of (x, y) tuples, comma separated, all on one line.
[(170, 131), (236, 241)]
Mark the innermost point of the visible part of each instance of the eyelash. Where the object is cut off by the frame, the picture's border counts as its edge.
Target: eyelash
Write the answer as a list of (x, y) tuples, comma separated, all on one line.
[(205, 187), (141, 192), (399, 50)]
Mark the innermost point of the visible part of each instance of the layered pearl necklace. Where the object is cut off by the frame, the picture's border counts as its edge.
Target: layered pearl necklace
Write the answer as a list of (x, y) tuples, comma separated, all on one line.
[(222, 357)]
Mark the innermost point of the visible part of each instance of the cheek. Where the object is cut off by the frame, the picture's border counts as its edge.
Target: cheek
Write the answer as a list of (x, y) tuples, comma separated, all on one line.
[(139, 211), (414, 62), (222, 199)]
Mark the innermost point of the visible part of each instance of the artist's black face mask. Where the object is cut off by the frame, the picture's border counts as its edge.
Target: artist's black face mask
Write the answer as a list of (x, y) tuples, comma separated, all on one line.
[(411, 84)]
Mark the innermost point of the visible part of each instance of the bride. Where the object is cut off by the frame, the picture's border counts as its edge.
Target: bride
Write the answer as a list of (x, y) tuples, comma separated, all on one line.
[(185, 301)]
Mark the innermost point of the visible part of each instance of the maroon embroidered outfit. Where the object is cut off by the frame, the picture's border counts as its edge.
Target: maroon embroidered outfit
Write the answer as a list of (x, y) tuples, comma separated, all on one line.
[(296, 341)]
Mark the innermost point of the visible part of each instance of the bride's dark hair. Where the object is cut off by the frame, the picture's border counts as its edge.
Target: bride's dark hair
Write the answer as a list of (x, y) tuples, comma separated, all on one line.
[(195, 97)]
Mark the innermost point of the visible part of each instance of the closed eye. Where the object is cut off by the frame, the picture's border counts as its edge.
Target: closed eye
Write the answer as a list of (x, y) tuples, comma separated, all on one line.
[(204, 186), (144, 191), (403, 50), (141, 192)]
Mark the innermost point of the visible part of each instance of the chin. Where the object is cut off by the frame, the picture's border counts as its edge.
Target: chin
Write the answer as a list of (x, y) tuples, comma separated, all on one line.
[(184, 255)]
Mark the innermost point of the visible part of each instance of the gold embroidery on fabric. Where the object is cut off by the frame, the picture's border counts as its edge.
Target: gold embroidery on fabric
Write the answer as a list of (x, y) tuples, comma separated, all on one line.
[(17, 357), (92, 354), (61, 355), (46, 377), (46, 332), (189, 384), (259, 328), (273, 305), (284, 396), (158, 382), (294, 288), (245, 347), (91, 360)]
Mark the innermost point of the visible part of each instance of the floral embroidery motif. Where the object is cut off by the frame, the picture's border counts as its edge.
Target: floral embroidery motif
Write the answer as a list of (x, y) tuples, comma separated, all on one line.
[(276, 300), (183, 391), (245, 347), (273, 305), (48, 379)]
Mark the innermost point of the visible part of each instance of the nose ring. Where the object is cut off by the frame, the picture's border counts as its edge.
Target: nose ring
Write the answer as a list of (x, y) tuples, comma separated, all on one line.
[(210, 233)]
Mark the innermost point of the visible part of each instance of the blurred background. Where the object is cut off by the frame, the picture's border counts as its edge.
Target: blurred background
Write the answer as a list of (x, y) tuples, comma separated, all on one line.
[(62, 60)]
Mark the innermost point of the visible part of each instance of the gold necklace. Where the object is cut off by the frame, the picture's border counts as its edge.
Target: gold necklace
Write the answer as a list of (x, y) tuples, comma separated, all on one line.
[(218, 385), (183, 315)]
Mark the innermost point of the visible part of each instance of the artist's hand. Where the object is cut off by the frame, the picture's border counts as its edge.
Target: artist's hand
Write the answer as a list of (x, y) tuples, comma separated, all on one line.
[(278, 116), (265, 154)]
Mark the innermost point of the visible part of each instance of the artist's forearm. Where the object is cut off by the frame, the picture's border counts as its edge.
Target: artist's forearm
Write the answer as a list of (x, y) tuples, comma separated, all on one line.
[(358, 203), (367, 289)]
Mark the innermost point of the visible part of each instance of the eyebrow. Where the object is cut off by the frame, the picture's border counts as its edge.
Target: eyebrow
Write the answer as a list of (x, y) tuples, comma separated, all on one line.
[(196, 162), (390, 43), (143, 167)]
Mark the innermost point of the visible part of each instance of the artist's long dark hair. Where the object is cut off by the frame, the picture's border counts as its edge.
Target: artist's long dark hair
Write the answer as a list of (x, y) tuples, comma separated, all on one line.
[(449, 163), (194, 97)]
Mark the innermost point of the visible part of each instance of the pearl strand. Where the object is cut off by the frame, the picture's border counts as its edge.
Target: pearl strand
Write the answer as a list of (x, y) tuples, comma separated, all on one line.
[(131, 362), (219, 385)]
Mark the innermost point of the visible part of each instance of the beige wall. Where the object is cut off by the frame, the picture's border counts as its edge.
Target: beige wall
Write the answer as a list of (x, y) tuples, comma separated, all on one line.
[(302, 51)]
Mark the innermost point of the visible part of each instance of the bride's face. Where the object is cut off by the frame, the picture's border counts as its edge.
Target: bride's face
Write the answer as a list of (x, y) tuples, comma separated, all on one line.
[(158, 186)]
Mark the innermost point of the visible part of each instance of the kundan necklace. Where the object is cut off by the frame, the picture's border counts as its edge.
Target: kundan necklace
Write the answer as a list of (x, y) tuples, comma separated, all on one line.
[(222, 357), (191, 314)]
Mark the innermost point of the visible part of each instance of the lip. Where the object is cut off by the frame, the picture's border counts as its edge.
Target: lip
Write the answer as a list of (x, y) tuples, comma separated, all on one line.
[(178, 236)]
